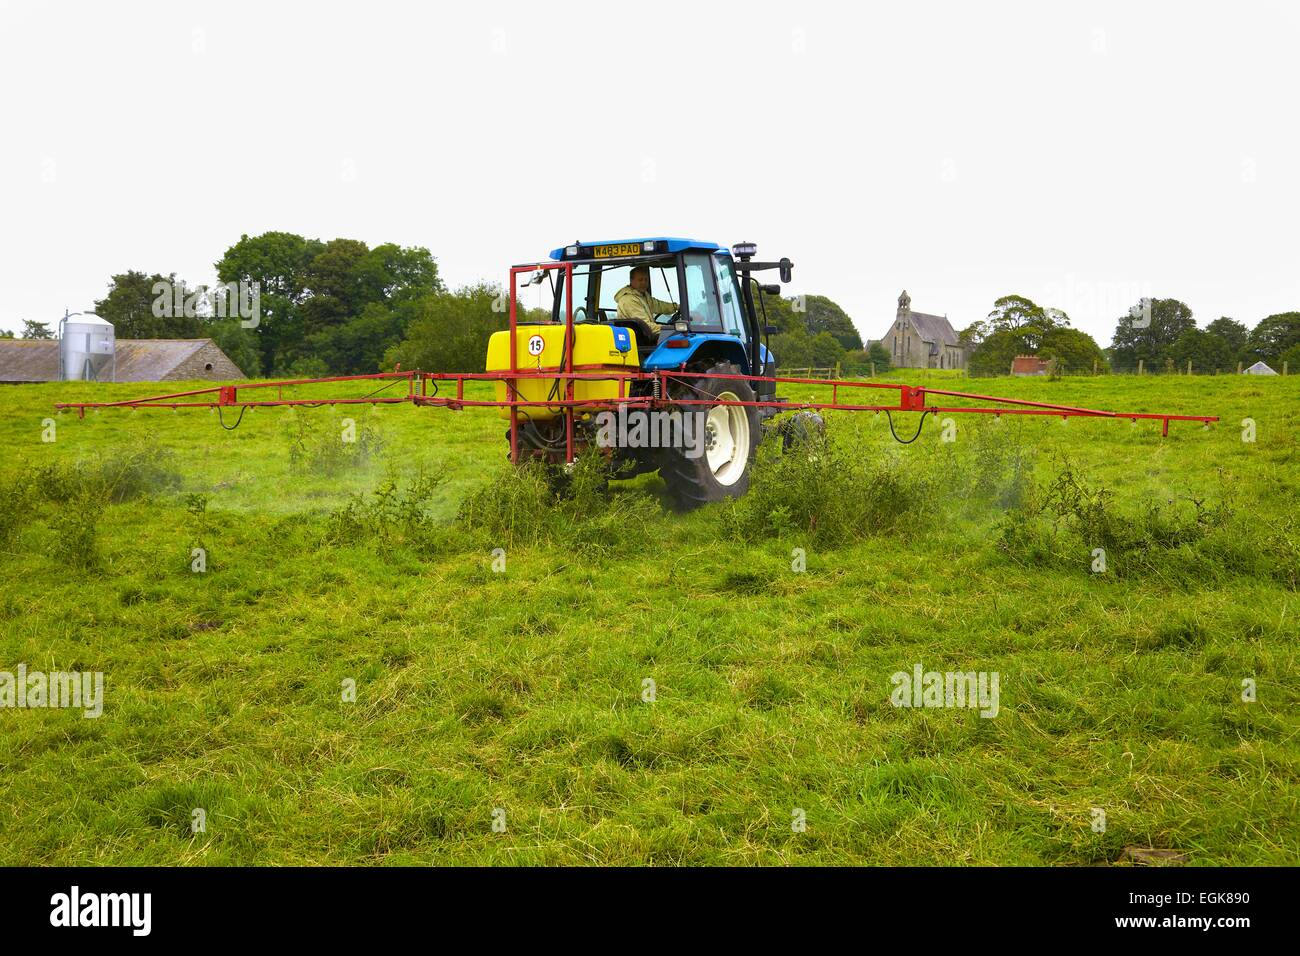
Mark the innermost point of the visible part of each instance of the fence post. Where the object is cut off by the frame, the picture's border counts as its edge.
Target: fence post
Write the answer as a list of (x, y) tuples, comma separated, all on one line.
[(1284, 365), (1140, 363), (1238, 368), (873, 369), (1094, 366), (1189, 366)]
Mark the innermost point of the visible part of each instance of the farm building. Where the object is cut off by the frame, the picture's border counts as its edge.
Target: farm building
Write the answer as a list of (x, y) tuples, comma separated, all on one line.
[(137, 360), (918, 340), (1031, 365), (1259, 368)]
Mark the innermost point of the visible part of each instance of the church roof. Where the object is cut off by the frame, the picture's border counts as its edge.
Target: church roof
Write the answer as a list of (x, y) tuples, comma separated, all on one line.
[(934, 328)]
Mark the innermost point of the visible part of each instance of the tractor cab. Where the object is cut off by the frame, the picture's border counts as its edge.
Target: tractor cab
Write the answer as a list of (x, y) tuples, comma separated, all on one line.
[(640, 309), (704, 310)]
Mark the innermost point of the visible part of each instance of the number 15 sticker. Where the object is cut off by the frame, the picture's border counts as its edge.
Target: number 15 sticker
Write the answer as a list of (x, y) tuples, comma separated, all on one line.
[(536, 344)]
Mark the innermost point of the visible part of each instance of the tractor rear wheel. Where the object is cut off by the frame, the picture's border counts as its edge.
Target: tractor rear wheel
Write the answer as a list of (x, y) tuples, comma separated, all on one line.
[(731, 434)]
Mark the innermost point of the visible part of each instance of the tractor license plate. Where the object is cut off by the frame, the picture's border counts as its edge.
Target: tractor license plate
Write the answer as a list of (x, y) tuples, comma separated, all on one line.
[(626, 249)]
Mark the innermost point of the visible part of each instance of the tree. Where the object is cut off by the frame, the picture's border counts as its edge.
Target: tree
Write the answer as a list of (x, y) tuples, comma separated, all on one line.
[(357, 347), (1074, 351), (1205, 350), (1025, 319), (812, 332), (335, 284), (36, 330), (779, 312), (339, 301), (1273, 336), (974, 334), (1020, 326), (1290, 359), (826, 350), (996, 353), (1135, 340), (823, 315), (451, 330), (362, 300), (793, 349), (278, 263), (1011, 312), (1233, 334), (391, 273), (239, 344), (133, 300), (813, 314)]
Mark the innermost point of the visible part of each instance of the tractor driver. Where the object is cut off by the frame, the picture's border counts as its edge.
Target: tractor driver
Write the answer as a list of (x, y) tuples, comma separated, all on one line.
[(635, 302)]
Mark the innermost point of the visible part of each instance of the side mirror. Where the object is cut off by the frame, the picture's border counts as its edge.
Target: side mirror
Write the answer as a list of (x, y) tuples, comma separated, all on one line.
[(786, 266), (771, 330), (772, 289)]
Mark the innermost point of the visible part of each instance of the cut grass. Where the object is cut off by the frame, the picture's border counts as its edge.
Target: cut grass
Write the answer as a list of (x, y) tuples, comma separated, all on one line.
[(523, 690)]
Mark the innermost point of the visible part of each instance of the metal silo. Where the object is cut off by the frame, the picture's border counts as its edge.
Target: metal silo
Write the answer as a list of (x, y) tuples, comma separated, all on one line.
[(86, 349)]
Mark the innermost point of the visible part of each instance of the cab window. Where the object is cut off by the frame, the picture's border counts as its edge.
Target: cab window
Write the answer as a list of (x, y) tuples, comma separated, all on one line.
[(729, 295), (663, 284), (702, 293)]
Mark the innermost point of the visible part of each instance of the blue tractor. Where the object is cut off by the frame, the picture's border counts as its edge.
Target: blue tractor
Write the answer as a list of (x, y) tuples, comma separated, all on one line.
[(693, 311)]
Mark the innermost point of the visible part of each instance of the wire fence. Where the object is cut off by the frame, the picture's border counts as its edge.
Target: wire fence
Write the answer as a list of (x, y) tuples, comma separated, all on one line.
[(873, 371)]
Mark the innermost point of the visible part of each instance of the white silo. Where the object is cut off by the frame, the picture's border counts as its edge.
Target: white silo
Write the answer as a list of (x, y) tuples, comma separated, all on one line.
[(86, 349)]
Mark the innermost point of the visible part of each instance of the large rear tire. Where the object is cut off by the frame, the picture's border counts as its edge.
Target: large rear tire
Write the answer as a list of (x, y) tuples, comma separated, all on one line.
[(731, 433)]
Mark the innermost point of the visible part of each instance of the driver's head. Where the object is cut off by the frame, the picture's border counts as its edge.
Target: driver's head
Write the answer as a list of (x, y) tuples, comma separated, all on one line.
[(640, 279)]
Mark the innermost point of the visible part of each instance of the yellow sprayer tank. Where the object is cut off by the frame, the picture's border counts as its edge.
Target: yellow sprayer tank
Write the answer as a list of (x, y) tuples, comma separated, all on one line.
[(595, 346)]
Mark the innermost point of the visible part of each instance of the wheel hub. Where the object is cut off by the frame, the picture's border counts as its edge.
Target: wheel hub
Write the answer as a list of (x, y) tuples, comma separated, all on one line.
[(726, 442)]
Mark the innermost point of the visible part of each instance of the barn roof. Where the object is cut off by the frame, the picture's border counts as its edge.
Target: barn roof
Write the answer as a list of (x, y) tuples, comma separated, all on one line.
[(138, 360), (149, 360), (28, 360)]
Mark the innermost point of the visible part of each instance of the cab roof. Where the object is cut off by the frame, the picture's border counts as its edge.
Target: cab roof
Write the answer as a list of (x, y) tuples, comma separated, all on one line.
[(670, 244)]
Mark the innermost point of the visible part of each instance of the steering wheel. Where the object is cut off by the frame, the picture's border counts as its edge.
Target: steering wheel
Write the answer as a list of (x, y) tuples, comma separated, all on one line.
[(583, 310)]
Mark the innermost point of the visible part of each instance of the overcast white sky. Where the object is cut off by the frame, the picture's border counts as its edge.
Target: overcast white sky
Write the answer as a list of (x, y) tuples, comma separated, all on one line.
[(1082, 155)]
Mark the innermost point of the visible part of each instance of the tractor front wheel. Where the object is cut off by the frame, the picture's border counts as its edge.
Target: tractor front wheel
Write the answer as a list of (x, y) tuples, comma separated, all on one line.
[(720, 469)]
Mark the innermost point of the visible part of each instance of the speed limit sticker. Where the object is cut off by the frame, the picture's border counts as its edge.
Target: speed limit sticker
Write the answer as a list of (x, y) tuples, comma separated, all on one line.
[(536, 344)]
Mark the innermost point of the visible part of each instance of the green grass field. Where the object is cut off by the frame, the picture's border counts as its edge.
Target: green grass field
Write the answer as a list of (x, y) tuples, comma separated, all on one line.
[(516, 697)]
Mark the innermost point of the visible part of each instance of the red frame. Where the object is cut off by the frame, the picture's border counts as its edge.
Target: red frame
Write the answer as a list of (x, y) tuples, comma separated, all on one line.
[(570, 411), (910, 398)]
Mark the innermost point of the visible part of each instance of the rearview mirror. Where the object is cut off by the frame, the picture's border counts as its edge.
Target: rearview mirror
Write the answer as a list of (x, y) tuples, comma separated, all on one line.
[(770, 330), (772, 289), (786, 266)]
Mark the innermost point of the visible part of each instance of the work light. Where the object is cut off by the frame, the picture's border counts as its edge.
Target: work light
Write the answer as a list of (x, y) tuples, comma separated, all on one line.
[(744, 250)]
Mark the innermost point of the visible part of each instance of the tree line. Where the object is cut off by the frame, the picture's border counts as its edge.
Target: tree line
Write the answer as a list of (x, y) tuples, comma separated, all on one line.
[(343, 308), (340, 307), (1161, 334), (813, 331)]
